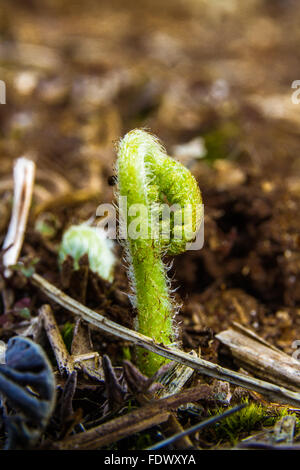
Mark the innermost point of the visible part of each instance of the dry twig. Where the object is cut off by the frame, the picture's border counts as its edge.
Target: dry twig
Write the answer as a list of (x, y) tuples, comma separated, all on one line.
[(271, 391), (63, 358), (138, 420), (260, 359)]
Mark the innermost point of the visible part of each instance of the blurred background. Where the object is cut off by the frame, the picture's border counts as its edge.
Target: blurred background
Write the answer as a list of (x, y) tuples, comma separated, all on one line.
[(212, 79)]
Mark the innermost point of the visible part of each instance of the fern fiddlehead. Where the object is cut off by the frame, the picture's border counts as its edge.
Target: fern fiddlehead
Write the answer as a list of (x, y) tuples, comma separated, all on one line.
[(152, 182)]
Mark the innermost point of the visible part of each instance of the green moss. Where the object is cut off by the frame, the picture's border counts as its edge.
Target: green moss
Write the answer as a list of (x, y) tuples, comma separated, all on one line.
[(240, 424)]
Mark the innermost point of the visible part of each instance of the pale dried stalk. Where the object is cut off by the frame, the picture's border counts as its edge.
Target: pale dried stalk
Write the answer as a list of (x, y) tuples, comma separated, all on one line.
[(63, 358), (253, 335), (281, 436), (2, 352), (270, 391), (175, 378), (284, 430), (262, 360), (83, 354), (24, 173), (86, 357)]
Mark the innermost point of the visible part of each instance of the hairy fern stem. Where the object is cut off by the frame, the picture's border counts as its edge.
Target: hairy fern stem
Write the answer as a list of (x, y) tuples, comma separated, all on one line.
[(148, 178)]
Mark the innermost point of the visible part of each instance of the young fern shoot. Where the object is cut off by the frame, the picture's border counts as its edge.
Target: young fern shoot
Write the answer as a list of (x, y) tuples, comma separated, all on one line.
[(153, 183)]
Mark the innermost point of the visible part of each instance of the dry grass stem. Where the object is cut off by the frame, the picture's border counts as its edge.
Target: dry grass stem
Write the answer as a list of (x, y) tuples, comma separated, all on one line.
[(24, 174)]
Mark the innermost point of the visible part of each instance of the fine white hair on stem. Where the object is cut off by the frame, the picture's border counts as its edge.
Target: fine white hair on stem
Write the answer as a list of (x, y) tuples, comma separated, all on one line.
[(24, 174), (152, 180)]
